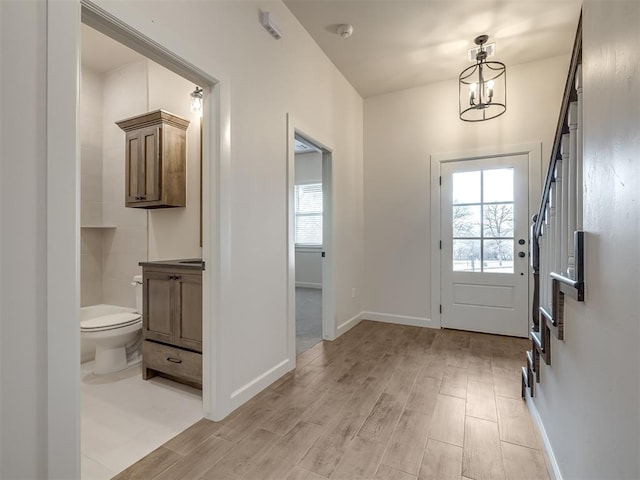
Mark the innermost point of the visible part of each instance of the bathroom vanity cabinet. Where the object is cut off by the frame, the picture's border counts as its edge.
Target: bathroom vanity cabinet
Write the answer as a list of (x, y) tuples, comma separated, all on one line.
[(155, 160), (172, 319)]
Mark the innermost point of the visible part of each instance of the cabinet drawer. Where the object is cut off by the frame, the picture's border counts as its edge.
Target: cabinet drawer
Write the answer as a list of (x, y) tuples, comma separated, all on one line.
[(172, 361)]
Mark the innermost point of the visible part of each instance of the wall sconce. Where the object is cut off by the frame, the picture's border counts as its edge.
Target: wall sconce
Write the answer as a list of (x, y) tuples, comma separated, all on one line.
[(482, 88), (196, 101)]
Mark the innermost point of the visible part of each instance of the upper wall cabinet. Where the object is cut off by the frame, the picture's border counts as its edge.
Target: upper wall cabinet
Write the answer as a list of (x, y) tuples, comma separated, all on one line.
[(156, 160)]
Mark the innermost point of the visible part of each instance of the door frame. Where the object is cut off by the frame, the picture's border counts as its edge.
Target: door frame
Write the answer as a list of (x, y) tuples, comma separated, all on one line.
[(329, 330), (534, 155), (63, 220)]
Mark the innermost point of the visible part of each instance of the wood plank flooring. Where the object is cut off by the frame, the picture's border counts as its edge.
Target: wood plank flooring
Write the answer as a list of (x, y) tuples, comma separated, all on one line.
[(384, 402)]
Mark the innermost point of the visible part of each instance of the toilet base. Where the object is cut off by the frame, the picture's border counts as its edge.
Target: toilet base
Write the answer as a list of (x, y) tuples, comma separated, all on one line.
[(110, 360)]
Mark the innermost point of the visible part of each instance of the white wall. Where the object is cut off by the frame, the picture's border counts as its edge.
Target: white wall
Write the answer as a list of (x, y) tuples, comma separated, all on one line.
[(125, 95), (140, 234), (175, 232), (401, 131), (90, 147), (265, 79), (308, 169), (589, 398), (23, 301), (90, 187)]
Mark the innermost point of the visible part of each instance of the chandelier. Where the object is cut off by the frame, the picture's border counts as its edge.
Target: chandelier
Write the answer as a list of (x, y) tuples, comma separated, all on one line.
[(482, 88)]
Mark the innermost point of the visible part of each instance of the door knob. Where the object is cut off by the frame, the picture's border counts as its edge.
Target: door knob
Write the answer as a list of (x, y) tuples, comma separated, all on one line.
[(522, 254)]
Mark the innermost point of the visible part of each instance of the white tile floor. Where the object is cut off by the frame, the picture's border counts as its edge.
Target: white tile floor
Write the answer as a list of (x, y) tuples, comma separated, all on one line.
[(124, 418)]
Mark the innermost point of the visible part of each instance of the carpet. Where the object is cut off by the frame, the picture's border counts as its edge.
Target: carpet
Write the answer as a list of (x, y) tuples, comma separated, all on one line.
[(308, 318)]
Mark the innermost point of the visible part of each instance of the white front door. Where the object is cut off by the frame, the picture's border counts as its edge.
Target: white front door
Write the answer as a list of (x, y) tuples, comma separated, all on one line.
[(484, 261)]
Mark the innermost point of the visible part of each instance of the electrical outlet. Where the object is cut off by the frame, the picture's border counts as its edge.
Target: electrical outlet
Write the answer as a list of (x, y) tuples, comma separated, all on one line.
[(353, 293)]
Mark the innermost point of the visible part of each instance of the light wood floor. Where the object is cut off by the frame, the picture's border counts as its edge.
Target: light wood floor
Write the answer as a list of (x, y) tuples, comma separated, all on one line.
[(381, 402)]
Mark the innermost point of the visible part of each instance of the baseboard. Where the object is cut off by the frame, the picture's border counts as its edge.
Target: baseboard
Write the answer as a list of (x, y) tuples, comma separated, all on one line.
[(255, 386), (555, 468), (348, 325), (309, 285), (400, 319)]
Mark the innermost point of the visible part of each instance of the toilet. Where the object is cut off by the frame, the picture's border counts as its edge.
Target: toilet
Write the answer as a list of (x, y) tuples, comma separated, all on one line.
[(117, 336)]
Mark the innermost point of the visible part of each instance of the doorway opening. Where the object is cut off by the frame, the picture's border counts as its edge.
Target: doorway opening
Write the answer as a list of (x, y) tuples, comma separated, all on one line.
[(309, 243), (309, 218), (124, 75)]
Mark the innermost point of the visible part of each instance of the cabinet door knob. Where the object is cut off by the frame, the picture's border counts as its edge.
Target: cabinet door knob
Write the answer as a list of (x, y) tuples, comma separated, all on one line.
[(174, 360)]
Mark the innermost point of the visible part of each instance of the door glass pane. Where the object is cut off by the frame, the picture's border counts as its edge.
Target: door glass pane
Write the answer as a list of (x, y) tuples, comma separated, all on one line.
[(466, 256), (466, 187), (466, 221), (498, 256), (498, 220), (498, 185)]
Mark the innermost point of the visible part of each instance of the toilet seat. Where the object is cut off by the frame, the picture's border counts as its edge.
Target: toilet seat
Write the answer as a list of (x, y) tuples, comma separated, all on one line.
[(109, 322)]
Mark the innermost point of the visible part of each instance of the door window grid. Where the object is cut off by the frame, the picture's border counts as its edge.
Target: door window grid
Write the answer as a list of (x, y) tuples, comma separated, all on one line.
[(485, 242)]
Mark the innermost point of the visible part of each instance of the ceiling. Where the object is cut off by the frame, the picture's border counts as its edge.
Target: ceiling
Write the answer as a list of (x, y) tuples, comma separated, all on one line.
[(399, 44), (103, 54)]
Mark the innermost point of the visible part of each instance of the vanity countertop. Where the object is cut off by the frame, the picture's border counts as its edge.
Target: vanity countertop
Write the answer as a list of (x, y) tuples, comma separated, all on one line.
[(188, 263)]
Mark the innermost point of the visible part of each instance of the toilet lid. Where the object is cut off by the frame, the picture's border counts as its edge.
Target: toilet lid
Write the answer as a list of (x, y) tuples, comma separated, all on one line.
[(115, 320)]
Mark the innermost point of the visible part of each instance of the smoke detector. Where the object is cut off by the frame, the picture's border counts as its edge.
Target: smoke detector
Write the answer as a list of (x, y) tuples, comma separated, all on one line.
[(344, 30)]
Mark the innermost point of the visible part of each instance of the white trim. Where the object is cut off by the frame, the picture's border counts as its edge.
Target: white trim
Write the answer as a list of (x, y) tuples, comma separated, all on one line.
[(62, 237), (400, 319), (309, 285), (110, 25), (255, 386), (291, 241), (216, 251), (555, 468), (349, 324), (329, 329), (534, 152)]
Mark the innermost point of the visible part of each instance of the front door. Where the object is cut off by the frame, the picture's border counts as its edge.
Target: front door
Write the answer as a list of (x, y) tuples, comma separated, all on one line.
[(484, 265)]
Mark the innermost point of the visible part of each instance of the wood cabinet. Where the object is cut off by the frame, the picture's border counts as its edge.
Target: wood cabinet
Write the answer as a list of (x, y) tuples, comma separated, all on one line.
[(172, 321), (155, 160)]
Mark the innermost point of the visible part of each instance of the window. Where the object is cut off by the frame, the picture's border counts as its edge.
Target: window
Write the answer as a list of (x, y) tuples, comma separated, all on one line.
[(483, 221), (308, 208)]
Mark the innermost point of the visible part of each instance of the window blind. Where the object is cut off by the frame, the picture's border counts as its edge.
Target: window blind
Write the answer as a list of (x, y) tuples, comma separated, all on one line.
[(308, 209)]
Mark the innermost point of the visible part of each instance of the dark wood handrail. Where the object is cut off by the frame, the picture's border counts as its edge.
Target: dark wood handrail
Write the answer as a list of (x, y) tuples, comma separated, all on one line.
[(562, 128)]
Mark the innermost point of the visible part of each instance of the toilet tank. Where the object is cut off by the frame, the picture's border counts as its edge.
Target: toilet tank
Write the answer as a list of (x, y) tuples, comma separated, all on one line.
[(137, 281)]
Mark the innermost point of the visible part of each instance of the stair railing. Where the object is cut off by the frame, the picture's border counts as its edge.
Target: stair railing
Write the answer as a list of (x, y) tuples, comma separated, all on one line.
[(556, 237)]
